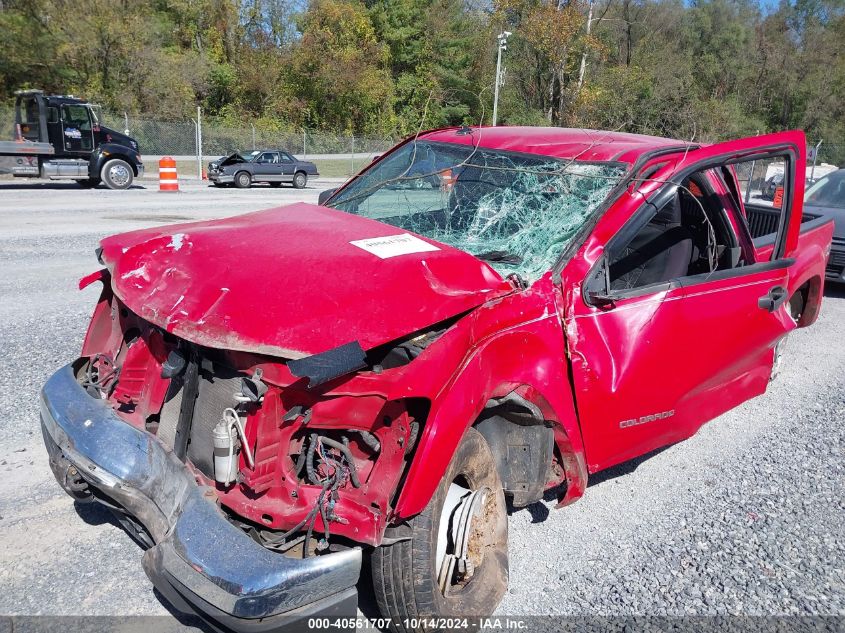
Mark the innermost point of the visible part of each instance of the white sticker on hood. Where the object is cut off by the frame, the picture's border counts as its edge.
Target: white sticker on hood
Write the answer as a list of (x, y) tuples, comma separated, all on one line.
[(394, 245)]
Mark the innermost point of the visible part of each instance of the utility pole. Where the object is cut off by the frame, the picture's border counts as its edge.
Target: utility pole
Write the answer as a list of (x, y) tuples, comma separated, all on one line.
[(815, 153), (199, 142), (503, 46)]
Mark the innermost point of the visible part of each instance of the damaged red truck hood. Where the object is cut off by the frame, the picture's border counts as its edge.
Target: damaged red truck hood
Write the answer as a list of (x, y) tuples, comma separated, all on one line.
[(293, 281)]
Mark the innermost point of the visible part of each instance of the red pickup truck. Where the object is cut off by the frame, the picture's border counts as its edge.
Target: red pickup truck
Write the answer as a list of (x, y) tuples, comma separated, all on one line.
[(482, 314)]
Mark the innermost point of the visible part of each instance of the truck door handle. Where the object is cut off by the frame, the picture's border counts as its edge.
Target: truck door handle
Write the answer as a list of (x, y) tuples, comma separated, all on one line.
[(773, 299)]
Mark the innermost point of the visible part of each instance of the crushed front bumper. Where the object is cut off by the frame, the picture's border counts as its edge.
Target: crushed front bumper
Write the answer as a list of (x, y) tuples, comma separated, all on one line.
[(221, 178), (200, 561)]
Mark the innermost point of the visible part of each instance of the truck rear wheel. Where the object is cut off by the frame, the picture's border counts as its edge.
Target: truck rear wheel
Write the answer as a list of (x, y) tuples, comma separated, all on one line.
[(455, 563), (117, 174)]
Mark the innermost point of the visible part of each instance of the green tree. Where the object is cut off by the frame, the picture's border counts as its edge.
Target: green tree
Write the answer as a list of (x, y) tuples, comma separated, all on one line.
[(340, 70)]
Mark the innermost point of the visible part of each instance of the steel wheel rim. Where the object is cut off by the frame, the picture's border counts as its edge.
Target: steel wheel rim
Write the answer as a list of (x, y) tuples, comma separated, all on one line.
[(777, 361), (300, 180), (119, 175), (464, 519)]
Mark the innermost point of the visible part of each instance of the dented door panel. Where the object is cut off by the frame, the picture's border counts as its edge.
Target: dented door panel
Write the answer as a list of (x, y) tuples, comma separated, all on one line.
[(651, 370), (651, 367), (622, 373)]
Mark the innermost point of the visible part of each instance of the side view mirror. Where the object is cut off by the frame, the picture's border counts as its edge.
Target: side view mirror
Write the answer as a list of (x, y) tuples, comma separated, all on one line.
[(325, 195), (601, 300), (596, 288)]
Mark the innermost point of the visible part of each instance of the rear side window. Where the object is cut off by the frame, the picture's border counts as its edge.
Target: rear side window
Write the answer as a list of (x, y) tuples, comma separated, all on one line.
[(29, 113), (764, 188), (77, 116)]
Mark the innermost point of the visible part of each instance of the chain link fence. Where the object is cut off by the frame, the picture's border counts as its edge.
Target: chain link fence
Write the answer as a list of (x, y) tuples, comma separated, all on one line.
[(7, 123), (829, 155), (158, 137), (179, 138), (341, 154)]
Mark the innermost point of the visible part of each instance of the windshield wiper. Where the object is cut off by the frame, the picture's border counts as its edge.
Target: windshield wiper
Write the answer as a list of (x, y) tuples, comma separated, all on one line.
[(500, 256)]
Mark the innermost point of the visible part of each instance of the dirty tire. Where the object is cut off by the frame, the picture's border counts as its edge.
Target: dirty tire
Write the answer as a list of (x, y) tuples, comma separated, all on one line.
[(405, 573), (117, 174), (300, 179), (243, 180), (88, 183)]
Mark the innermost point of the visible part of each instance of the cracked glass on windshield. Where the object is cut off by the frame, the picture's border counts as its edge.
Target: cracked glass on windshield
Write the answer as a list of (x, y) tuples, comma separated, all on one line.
[(513, 210)]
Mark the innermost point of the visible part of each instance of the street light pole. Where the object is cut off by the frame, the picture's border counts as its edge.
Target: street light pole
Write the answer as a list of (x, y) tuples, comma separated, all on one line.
[(503, 46)]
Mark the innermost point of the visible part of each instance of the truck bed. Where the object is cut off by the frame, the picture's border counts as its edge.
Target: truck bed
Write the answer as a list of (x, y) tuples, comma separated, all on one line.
[(14, 148)]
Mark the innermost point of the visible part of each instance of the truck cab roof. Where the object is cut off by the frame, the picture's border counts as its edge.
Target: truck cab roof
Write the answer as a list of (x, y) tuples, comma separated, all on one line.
[(53, 100), (564, 143)]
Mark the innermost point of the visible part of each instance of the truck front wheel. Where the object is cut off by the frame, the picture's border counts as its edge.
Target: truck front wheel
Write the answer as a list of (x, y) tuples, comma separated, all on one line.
[(455, 563), (117, 174)]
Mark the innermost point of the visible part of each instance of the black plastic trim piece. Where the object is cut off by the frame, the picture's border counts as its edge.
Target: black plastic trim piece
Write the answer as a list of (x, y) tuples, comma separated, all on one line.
[(809, 225), (186, 411), (694, 280), (663, 286), (718, 275), (326, 366)]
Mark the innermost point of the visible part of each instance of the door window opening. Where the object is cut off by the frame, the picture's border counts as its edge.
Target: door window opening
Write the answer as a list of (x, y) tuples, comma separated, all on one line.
[(689, 235)]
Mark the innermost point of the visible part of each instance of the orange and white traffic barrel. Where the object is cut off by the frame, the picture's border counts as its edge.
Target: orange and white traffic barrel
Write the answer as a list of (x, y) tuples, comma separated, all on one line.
[(447, 180), (777, 201), (167, 178)]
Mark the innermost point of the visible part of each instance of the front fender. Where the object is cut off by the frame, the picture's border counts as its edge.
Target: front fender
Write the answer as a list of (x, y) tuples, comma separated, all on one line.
[(528, 355), (107, 151)]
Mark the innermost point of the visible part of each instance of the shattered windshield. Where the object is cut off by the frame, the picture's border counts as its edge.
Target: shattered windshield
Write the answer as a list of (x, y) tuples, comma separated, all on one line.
[(515, 211)]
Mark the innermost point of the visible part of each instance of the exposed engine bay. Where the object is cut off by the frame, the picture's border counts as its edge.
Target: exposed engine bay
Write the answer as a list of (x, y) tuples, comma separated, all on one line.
[(297, 466)]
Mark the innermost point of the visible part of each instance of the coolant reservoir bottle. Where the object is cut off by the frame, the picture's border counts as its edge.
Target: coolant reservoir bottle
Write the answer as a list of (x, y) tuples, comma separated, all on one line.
[(225, 456)]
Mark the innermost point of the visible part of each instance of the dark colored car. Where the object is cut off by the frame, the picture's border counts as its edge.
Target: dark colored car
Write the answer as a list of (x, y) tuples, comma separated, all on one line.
[(273, 166), (770, 187), (827, 197)]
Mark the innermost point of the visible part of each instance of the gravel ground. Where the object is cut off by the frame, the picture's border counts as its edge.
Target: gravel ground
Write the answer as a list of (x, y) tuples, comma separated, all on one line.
[(745, 518)]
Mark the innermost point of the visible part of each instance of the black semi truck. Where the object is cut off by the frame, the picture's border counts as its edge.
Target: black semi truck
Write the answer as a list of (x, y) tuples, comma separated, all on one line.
[(61, 137)]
